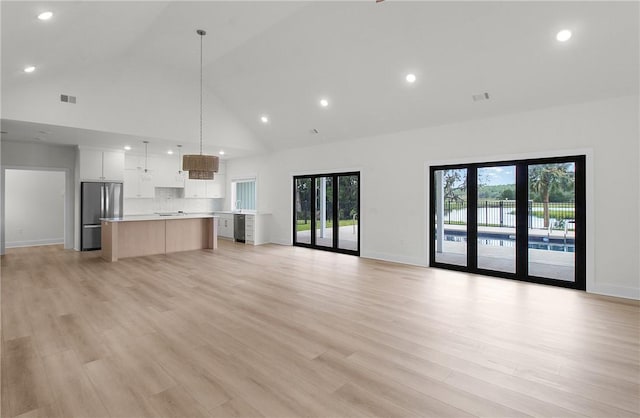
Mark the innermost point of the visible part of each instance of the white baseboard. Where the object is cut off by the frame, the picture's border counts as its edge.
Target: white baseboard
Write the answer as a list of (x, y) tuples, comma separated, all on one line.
[(395, 258), (34, 243), (613, 290)]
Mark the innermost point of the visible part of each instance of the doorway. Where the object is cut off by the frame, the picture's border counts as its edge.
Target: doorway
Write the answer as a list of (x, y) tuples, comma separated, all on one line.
[(34, 207), (326, 212), (521, 219)]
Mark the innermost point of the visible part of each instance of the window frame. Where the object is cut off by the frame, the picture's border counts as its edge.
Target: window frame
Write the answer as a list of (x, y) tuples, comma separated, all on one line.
[(522, 273), (234, 194)]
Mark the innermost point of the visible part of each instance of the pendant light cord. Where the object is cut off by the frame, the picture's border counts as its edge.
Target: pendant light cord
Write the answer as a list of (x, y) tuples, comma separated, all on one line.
[(201, 36), (146, 143)]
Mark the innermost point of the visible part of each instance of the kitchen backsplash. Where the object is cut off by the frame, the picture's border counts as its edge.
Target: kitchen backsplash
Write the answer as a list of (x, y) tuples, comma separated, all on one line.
[(169, 199)]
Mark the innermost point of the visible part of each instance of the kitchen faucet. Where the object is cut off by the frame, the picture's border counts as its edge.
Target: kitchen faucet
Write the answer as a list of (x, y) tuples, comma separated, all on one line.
[(238, 205)]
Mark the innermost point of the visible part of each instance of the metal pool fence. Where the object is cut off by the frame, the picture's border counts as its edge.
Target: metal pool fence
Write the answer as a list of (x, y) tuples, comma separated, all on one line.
[(501, 213)]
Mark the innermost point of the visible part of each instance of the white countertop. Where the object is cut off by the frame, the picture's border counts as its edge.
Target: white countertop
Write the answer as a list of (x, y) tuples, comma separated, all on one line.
[(233, 212), (157, 217)]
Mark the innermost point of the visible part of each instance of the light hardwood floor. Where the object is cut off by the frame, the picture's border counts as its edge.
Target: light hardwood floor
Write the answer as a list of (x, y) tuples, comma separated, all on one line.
[(291, 332)]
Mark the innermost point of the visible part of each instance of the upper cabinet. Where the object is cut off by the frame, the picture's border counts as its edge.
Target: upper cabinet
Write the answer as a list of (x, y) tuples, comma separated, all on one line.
[(135, 186), (166, 172), (101, 165)]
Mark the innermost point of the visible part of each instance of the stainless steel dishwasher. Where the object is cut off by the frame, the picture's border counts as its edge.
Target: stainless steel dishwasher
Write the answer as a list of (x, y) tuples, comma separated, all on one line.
[(238, 227)]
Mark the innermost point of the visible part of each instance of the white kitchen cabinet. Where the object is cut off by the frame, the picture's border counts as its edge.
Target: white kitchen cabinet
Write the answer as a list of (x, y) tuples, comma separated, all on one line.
[(225, 225), (203, 189), (250, 229), (166, 172), (113, 165), (195, 189), (215, 188), (135, 186), (101, 165), (256, 228)]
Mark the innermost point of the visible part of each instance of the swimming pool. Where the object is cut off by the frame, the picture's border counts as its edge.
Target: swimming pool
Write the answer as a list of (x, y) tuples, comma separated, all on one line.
[(500, 240)]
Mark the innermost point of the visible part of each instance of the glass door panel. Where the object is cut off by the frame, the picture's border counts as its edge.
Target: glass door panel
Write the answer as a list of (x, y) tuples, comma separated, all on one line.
[(324, 212), (496, 220), (450, 187), (348, 208), (552, 221), (302, 210)]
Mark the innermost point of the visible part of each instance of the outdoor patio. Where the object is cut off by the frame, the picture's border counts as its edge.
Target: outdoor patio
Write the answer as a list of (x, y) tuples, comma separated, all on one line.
[(347, 237)]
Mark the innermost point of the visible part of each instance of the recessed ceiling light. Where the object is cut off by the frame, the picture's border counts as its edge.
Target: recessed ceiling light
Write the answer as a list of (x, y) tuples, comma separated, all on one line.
[(411, 78), (324, 102), (127, 148), (221, 152), (45, 15), (563, 35), (29, 69), (170, 152), (264, 119)]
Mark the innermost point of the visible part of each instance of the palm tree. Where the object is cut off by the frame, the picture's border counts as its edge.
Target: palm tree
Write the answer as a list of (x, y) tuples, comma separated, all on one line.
[(545, 178)]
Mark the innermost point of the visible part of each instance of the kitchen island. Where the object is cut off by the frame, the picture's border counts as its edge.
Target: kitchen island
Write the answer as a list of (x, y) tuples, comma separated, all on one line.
[(140, 235)]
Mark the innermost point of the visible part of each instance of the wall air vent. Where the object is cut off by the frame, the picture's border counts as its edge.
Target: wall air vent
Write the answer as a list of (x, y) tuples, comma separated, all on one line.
[(68, 99), (480, 97)]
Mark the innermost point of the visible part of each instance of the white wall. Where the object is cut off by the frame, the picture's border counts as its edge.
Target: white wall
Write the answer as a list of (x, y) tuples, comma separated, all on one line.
[(394, 188), (37, 156), (161, 104), (34, 208)]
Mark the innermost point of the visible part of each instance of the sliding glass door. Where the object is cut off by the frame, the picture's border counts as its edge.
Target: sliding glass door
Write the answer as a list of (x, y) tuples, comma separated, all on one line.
[(496, 218), (519, 219), (450, 188), (326, 212)]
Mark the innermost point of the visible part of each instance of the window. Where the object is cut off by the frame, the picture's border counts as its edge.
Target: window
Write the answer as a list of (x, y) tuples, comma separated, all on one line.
[(522, 219), (326, 212), (243, 193)]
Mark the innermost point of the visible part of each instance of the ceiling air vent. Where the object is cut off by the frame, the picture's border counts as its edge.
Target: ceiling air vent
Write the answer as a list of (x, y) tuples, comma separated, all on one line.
[(480, 97), (68, 99)]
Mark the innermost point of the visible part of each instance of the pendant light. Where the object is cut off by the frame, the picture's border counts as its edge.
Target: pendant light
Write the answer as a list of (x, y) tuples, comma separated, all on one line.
[(146, 175), (200, 167), (180, 175)]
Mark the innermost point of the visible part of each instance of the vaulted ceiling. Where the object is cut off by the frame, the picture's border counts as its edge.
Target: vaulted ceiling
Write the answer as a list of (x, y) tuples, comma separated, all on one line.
[(134, 67)]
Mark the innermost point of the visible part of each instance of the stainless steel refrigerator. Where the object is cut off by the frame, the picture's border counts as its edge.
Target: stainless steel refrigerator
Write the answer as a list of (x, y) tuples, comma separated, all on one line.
[(99, 200)]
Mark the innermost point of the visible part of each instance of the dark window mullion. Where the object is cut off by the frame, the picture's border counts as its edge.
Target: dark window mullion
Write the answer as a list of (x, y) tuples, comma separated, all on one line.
[(334, 208), (580, 218), (522, 219), (314, 208), (472, 218), (432, 217)]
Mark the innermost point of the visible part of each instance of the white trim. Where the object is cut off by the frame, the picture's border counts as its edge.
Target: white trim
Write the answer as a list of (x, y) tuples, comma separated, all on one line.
[(617, 291), (395, 258), (34, 243), (307, 172)]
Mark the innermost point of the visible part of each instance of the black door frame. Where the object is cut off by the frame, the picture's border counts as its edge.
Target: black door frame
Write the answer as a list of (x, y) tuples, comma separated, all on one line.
[(334, 204), (522, 196)]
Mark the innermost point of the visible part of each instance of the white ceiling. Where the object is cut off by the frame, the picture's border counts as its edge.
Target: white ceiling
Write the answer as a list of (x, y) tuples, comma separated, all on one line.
[(280, 58)]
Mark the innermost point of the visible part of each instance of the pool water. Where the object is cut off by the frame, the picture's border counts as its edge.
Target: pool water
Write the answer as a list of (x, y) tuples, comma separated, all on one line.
[(556, 245)]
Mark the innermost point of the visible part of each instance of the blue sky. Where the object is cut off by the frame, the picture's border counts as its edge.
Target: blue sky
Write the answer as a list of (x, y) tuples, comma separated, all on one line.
[(497, 175)]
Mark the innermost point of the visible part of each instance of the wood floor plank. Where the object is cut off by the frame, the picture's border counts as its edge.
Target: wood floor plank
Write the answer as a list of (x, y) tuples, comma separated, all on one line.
[(175, 402), (71, 387), (27, 385), (114, 391), (277, 331), (234, 408)]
